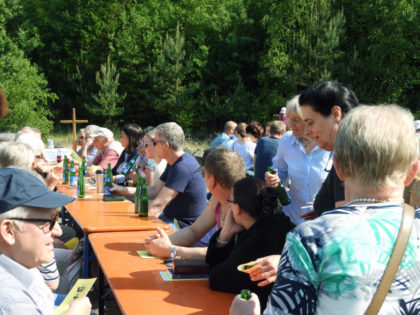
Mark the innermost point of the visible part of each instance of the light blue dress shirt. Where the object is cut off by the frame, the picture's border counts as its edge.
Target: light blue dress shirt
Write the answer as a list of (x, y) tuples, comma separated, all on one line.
[(22, 290), (220, 139), (306, 172)]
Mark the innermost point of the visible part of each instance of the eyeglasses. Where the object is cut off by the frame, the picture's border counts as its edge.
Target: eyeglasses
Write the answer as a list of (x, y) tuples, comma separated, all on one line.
[(51, 221), (157, 141)]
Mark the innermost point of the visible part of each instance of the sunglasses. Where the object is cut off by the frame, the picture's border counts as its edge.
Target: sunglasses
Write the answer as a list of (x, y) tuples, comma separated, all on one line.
[(82, 137), (51, 221)]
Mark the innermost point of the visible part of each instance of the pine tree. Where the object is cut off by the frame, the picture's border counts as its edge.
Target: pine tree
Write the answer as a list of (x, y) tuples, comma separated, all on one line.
[(318, 43), (108, 97), (172, 93)]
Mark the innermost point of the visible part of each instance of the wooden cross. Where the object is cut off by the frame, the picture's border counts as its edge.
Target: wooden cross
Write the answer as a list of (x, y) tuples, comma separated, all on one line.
[(74, 122)]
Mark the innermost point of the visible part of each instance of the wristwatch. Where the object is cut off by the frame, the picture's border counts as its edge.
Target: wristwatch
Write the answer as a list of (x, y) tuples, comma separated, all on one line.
[(172, 253)]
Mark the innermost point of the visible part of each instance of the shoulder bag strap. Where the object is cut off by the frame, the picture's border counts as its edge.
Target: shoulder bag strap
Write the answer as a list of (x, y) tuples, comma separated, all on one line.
[(394, 262)]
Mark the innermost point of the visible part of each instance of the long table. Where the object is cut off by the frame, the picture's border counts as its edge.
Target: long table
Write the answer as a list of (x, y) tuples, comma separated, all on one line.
[(93, 216), (138, 287)]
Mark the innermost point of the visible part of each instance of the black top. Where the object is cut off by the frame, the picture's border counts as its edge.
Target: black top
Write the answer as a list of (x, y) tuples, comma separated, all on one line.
[(265, 237), (123, 160), (332, 190)]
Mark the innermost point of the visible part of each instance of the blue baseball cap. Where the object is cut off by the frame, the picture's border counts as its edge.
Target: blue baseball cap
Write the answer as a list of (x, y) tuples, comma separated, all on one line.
[(20, 188)]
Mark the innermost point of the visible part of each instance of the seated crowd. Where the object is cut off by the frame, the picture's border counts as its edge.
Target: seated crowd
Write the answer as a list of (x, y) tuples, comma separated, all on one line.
[(347, 169)]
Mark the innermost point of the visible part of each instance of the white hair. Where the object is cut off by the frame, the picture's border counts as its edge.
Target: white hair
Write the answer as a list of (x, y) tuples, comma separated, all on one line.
[(32, 141), (14, 153), (90, 129), (7, 136), (293, 107), (18, 212), (372, 149)]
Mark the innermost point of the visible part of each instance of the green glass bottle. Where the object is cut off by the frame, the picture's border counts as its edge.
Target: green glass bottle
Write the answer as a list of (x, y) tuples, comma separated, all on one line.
[(137, 200), (246, 294), (81, 185), (136, 168), (129, 165), (73, 178), (282, 193), (144, 200), (66, 170), (83, 166), (108, 181)]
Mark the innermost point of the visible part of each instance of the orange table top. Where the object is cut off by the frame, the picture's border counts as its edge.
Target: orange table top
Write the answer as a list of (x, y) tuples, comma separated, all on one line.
[(138, 286), (94, 215)]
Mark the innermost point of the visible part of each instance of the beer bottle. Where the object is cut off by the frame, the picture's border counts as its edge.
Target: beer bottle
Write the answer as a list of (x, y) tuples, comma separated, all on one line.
[(59, 156), (127, 167), (65, 170), (282, 193), (108, 181), (138, 191), (81, 185), (246, 294), (84, 166), (136, 168), (73, 178), (144, 200)]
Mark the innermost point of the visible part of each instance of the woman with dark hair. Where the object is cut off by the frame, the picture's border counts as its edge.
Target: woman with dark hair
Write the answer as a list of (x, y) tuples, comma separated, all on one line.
[(129, 139), (324, 106), (253, 228)]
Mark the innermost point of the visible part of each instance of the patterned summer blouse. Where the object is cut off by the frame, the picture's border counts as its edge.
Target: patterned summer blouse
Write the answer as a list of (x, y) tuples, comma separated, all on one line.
[(333, 265)]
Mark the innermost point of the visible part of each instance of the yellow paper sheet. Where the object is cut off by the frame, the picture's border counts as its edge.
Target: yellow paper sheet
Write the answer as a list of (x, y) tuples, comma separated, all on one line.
[(75, 157), (80, 289), (145, 254), (71, 243)]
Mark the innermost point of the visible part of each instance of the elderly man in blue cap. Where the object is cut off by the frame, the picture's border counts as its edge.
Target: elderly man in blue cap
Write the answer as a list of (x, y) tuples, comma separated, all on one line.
[(27, 228)]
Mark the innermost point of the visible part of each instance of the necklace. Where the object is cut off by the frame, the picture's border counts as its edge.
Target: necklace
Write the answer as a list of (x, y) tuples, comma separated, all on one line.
[(372, 200)]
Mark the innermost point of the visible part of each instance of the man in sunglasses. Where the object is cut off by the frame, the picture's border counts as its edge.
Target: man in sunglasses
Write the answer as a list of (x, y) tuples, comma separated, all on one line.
[(27, 227), (183, 193)]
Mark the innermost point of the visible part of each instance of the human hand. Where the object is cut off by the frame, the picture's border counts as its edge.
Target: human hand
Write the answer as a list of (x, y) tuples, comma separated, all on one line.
[(230, 227), (119, 190), (309, 215), (87, 142), (159, 244), (268, 270), (272, 180), (245, 307), (53, 178), (80, 306), (134, 177)]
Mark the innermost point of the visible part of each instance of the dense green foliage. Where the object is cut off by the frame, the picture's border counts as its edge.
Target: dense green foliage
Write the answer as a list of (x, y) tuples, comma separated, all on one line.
[(26, 88), (200, 62)]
